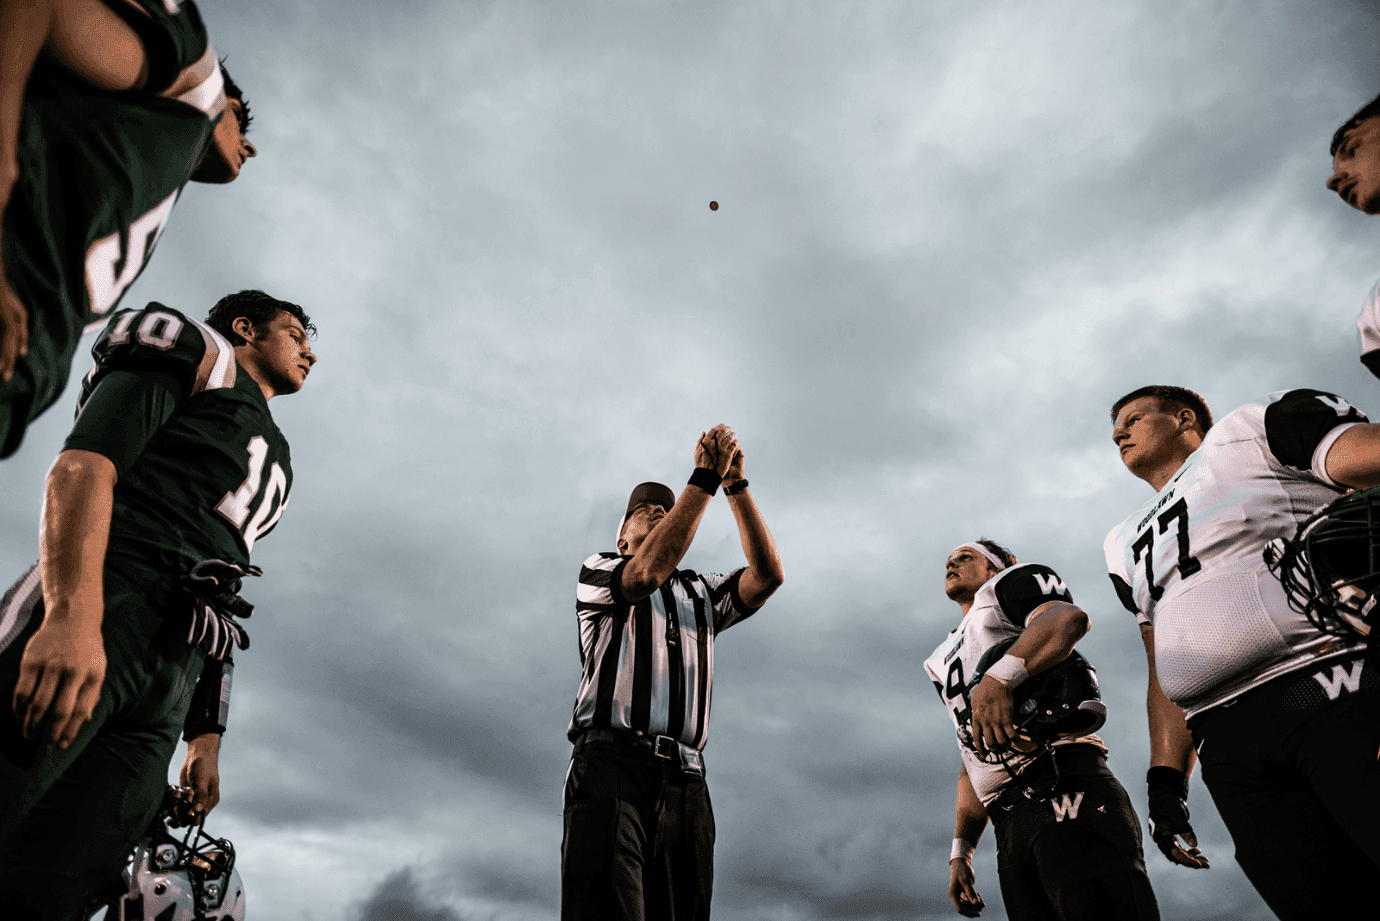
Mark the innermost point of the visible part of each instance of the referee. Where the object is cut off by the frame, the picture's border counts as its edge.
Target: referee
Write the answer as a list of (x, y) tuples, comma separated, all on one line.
[(639, 830)]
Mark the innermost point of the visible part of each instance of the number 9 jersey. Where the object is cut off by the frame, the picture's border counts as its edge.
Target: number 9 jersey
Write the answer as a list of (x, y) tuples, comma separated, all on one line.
[(203, 471), (1190, 561), (1001, 610)]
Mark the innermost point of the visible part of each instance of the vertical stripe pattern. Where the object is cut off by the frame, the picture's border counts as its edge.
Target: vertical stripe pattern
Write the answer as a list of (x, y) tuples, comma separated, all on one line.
[(649, 665), (17, 607)]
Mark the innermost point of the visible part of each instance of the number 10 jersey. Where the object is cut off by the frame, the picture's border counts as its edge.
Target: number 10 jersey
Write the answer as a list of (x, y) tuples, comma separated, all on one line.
[(1190, 561), (203, 471)]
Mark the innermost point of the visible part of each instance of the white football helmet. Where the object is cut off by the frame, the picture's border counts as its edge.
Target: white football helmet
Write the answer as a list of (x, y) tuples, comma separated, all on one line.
[(191, 877)]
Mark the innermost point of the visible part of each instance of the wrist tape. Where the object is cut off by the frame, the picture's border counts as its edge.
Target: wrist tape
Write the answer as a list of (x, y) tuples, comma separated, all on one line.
[(1009, 670), (962, 849)]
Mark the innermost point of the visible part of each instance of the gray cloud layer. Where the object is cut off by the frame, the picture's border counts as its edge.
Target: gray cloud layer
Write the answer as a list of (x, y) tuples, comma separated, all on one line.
[(949, 237)]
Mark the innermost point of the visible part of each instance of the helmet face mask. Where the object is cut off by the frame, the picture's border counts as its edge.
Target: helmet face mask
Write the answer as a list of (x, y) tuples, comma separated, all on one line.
[(1062, 702), (1330, 569), (182, 877)]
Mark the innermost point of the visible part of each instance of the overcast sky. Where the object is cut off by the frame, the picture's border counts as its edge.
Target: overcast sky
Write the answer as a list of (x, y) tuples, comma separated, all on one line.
[(950, 236)]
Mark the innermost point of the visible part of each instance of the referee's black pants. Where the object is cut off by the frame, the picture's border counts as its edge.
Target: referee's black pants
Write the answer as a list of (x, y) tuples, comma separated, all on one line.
[(639, 838), (1293, 774)]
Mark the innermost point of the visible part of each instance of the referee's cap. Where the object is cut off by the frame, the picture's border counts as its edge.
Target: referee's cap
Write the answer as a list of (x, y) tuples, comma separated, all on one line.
[(648, 494)]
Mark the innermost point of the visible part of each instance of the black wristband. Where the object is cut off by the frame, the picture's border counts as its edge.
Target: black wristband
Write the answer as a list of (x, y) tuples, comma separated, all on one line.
[(706, 479), (1168, 779), (736, 487)]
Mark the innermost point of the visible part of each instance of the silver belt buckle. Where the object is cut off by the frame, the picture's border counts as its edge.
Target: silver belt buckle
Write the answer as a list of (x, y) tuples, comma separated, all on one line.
[(665, 747)]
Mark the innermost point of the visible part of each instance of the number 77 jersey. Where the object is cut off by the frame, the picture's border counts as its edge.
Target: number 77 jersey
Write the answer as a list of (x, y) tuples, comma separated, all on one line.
[(1190, 562)]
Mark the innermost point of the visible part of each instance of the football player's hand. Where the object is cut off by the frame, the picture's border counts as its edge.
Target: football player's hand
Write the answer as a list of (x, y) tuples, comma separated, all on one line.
[(201, 774), (1168, 794), (716, 449), (993, 729), (966, 900), (14, 327), (60, 677)]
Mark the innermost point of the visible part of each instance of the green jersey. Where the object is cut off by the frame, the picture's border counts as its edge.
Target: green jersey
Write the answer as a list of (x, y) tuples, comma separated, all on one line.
[(99, 174), (203, 471)]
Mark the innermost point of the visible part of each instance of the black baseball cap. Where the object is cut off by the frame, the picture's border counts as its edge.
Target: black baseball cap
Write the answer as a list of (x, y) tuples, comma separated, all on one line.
[(650, 494)]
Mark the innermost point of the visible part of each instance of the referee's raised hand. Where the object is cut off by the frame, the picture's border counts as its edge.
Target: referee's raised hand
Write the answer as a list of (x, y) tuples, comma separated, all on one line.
[(716, 449)]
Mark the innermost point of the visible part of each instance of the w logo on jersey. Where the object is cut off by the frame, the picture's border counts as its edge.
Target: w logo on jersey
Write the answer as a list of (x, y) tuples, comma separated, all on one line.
[(1348, 678), (1051, 584), (1339, 406), (1066, 806)]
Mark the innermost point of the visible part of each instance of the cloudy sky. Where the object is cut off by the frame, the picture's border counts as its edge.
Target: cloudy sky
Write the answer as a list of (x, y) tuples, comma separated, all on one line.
[(950, 235)]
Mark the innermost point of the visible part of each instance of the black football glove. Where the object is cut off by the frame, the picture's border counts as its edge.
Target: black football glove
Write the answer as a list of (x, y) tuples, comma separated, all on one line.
[(1168, 793)]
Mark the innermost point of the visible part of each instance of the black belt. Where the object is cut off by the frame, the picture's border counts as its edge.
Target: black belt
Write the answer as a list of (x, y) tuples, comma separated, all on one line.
[(663, 747), (1039, 778)]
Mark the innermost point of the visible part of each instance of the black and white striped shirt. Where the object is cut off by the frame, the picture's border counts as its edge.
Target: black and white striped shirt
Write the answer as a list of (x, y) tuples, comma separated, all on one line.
[(649, 665)]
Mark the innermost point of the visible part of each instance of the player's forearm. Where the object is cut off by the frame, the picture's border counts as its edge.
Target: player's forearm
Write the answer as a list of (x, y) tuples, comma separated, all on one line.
[(24, 27), (1050, 636), (74, 532), (666, 546), (970, 816), (765, 572), (1171, 743)]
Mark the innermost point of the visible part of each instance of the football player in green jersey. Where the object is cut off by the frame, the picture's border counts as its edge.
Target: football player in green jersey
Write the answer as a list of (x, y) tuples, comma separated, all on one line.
[(107, 109), (174, 469)]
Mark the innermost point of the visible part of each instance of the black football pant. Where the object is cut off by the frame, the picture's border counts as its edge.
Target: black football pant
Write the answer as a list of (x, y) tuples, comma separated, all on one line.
[(1073, 852), (1294, 776), (639, 838), (70, 817)]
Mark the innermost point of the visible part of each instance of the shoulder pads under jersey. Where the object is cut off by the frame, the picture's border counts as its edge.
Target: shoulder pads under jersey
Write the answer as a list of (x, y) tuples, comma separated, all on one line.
[(161, 340)]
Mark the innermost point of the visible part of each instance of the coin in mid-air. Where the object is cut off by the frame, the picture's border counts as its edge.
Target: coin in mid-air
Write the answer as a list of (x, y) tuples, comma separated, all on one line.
[(713, 206)]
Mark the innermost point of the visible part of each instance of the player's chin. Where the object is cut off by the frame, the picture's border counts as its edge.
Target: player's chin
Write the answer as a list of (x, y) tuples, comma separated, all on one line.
[(1371, 205), (217, 169)]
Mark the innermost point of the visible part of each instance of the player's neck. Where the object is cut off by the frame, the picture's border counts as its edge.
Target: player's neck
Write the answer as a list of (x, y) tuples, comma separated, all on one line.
[(1163, 472), (249, 360), (965, 602)]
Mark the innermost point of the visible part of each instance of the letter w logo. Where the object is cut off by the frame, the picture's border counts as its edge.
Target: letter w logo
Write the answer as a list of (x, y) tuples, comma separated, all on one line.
[(1066, 806), (1351, 679), (1051, 584), (1339, 406)]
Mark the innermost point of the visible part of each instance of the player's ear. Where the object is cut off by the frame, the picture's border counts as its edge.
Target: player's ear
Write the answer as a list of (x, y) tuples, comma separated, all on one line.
[(244, 327)]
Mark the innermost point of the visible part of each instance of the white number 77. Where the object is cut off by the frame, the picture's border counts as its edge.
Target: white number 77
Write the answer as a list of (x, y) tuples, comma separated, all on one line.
[(235, 506)]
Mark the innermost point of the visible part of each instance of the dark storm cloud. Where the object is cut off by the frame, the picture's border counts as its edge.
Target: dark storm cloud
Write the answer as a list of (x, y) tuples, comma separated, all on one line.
[(397, 899), (949, 237)]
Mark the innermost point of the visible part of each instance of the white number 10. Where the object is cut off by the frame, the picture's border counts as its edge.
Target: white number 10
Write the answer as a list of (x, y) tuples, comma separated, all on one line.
[(235, 506)]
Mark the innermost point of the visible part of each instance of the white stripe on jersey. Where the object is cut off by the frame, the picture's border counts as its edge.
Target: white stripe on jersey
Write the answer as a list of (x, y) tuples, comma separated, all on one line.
[(217, 368), (18, 605), (208, 91), (1226, 627), (952, 665)]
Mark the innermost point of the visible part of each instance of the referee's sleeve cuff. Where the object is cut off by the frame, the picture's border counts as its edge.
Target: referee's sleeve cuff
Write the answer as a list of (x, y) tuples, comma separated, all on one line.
[(736, 596)]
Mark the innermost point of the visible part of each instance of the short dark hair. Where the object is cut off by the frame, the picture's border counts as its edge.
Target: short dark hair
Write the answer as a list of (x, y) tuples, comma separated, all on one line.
[(233, 91), (1008, 559), (1369, 110), (255, 306), (1171, 399)]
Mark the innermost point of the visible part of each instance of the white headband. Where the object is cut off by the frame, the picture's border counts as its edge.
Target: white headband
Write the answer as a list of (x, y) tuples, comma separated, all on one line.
[(991, 557)]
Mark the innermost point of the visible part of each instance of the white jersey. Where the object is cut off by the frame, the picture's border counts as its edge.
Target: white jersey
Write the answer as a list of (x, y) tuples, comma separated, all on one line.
[(1368, 326), (1001, 610), (1190, 561)]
